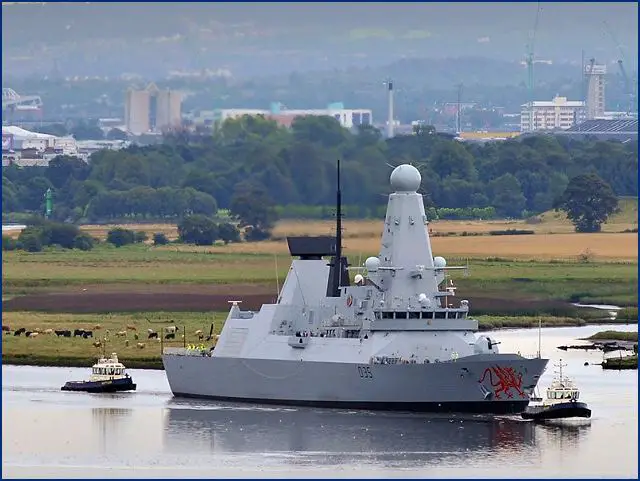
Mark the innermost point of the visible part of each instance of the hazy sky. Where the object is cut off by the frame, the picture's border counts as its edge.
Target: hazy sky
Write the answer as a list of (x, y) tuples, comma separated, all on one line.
[(372, 31)]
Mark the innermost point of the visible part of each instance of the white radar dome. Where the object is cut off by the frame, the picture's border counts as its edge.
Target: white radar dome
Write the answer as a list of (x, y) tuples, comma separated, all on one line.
[(372, 264), (358, 279), (405, 178), (439, 262)]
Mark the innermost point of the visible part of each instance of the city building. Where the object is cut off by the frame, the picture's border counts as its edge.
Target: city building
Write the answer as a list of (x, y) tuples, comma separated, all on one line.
[(594, 82), (23, 147), (152, 110), (348, 118), (558, 114)]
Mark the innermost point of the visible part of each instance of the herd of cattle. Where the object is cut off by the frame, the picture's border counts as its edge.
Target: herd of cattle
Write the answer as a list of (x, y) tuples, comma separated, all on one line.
[(169, 333)]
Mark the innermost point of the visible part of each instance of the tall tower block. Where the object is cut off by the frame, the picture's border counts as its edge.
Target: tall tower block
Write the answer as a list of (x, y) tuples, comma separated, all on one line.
[(594, 81)]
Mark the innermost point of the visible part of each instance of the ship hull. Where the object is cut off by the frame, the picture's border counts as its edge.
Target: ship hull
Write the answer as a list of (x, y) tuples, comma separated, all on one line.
[(110, 386), (470, 386)]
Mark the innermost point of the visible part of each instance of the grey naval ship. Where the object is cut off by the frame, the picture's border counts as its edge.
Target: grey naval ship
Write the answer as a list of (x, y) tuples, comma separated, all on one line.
[(394, 339)]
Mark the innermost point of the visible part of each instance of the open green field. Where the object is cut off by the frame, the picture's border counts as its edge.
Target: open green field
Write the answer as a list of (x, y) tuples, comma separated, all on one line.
[(139, 265)]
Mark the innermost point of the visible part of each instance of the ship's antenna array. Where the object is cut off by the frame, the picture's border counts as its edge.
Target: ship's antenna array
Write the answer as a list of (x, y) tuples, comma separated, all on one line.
[(337, 264)]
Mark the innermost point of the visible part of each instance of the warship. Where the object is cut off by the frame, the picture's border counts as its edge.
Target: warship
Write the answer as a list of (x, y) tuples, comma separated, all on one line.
[(395, 339)]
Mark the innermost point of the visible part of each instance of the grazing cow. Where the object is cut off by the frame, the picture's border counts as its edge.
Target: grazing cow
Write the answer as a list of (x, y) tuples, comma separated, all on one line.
[(37, 329), (97, 344), (78, 332), (87, 334), (170, 329), (136, 337), (48, 331), (5, 328), (121, 333), (150, 331), (61, 332), (131, 328), (27, 333), (198, 332), (153, 335), (171, 335), (140, 345), (126, 342), (33, 334), (20, 331)]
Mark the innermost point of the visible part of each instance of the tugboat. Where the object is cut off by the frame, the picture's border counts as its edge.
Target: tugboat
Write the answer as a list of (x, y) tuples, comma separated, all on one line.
[(107, 375), (561, 402)]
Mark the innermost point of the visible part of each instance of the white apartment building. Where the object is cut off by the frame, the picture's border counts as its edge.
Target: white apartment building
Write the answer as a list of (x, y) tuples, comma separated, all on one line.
[(559, 113)]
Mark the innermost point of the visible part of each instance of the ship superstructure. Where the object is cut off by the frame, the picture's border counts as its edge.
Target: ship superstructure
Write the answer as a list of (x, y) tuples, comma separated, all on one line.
[(395, 339)]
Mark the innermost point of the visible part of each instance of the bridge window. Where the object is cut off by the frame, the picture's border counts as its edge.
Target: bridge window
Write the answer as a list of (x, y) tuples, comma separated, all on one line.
[(401, 315), (387, 315), (414, 315), (427, 315), (440, 315)]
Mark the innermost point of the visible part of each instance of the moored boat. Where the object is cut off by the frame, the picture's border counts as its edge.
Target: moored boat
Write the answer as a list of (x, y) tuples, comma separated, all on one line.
[(107, 375)]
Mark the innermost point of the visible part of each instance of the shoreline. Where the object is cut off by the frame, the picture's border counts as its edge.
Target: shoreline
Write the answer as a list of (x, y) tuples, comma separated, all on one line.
[(155, 362)]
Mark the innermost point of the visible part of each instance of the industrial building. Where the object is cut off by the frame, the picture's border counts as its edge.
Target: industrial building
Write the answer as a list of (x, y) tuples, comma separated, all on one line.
[(152, 110), (348, 118), (23, 147), (558, 114)]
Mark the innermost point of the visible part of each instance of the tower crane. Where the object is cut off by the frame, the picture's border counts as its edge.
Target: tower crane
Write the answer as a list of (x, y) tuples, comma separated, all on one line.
[(629, 85), (530, 62)]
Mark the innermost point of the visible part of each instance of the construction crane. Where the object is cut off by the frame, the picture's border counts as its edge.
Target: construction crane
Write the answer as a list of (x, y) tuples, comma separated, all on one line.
[(629, 85), (530, 62)]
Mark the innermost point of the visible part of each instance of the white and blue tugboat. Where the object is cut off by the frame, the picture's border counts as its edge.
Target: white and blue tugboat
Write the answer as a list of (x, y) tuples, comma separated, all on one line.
[(107, 375), (395, 339), (561, 401)]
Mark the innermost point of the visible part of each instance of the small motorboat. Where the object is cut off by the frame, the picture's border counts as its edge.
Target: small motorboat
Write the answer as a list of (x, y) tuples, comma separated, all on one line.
[(107, 375), (561, 401)]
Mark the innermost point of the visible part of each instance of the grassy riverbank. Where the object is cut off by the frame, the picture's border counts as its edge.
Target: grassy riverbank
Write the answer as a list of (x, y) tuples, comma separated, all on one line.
[(51, 350), (614, 336)]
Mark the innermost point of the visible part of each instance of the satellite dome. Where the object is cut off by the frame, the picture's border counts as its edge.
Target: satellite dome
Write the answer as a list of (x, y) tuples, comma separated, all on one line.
[(372, 264), (405, 178), (439, 262)]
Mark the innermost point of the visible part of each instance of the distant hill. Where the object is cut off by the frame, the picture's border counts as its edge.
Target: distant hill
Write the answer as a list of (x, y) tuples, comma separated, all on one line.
[(105, 38)]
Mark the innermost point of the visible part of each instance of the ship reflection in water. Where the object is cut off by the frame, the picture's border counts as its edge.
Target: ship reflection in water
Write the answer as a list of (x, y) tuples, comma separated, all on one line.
[(332, 437)]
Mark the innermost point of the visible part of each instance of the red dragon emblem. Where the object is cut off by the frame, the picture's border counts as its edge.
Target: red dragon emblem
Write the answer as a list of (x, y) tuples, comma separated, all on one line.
[(506, 380)]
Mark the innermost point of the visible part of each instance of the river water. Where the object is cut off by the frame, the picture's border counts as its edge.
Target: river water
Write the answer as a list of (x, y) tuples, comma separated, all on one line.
[(50, 433)]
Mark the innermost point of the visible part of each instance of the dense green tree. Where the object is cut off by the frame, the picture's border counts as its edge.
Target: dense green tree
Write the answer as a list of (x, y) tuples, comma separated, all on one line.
[(160, 239), (228, 232), (254, 208), (588, 201), (197, 229)]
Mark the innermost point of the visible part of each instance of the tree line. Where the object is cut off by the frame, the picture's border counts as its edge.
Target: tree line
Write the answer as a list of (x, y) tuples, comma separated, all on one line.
[(259, 170)]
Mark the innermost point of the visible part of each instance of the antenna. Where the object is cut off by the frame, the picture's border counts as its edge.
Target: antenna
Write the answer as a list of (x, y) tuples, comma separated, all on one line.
[(539, 336), (275, 259), (390, 100), (458, 113), (337, 263)]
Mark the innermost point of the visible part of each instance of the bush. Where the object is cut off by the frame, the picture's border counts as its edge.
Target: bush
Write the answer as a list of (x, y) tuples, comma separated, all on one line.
[(228, 233), (8, 243), (253, 235), (140, 237), (121, 237), (84, 242), (159, 239), (31, 239)]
